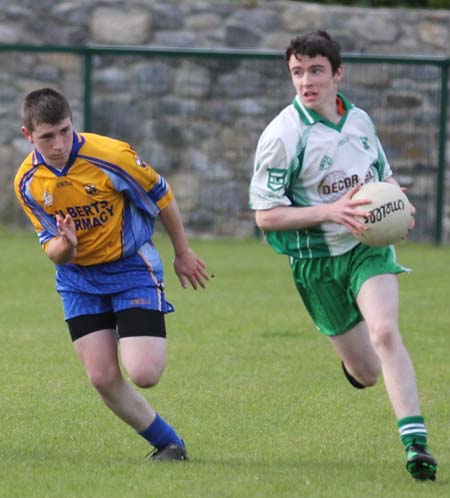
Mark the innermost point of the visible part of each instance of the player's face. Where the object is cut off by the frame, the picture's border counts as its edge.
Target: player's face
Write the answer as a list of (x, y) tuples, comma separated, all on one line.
[(54, 142), (314, 82)]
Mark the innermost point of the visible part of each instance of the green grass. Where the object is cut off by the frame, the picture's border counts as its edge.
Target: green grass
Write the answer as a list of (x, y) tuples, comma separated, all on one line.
[(255, 391)]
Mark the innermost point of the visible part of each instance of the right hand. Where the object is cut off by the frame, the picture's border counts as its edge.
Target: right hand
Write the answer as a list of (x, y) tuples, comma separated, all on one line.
[(190, 268), (66, 230), (345, 210)]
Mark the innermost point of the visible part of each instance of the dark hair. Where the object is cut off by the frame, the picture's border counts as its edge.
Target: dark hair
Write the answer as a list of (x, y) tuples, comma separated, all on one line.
[(44, 105), (315, 43)]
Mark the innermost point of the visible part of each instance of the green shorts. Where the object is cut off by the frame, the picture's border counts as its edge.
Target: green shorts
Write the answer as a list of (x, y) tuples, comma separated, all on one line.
[(329, 286)]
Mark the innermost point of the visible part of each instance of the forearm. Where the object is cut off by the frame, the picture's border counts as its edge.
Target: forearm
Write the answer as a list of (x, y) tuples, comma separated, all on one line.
[(292, 218), (171, 219), (60, 251)]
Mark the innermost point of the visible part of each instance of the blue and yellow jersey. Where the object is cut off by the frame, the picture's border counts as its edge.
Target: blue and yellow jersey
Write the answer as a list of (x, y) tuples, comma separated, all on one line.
[(112, 195)]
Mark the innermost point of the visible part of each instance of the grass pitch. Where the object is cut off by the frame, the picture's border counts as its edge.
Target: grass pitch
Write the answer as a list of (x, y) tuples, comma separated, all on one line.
[(255, 391)]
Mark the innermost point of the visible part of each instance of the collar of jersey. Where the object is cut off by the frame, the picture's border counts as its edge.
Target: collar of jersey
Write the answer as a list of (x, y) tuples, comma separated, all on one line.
[(310, 117), (78, 142)]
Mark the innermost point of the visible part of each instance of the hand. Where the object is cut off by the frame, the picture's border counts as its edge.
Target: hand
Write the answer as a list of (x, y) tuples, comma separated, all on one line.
[(345, 210), (189, 267), (413, 218), (413, 212), (66, 230)]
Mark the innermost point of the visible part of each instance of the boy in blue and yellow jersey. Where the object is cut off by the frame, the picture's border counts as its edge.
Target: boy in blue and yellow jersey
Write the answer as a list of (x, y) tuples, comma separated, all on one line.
[(93, 203), (310, 161)]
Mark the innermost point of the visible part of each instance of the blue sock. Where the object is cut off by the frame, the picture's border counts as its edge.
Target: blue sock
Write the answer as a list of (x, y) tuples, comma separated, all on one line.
[(159, 434)]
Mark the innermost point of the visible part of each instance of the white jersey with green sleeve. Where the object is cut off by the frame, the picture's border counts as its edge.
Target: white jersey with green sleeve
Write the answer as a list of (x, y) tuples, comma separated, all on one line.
[(303, 160)]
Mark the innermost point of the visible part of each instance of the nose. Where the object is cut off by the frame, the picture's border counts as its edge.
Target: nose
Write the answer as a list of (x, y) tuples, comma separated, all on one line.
[(58, 144), (306, 79)]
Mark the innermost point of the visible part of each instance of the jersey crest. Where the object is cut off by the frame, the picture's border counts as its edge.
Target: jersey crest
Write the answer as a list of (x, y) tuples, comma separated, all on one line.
[(90, 189), (276, 179), (365, 142), (325, 163), (47, 199)]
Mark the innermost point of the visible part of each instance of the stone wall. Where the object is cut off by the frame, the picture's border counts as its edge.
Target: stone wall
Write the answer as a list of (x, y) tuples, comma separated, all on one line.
[(197, 119)]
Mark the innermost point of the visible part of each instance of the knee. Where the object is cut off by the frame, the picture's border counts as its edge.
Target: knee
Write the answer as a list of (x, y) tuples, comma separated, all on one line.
[(371, 376), (384, 337), (145, 376), (104, 378), (368, 375)]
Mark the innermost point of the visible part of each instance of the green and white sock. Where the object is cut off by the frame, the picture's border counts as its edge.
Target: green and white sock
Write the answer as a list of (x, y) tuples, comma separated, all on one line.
[(412, 431)]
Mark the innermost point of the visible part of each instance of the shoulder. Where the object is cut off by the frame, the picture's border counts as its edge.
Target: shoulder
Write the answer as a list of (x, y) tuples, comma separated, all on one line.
[(103, 147), (283, 124), (103, 141), (363, 116), (284, 131), (26, 169)]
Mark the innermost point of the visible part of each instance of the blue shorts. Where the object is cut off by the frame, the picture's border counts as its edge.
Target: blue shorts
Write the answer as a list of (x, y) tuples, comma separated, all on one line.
[(150, 298), (132, 282)]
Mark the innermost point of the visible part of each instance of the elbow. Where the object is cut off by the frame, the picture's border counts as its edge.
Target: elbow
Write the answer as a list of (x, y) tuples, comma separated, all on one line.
[(263, 220), (61, 258), (58, 260)]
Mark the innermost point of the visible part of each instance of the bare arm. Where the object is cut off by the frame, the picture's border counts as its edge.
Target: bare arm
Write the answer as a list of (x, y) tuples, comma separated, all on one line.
[(187, 265), (63, 248), (343, 211)]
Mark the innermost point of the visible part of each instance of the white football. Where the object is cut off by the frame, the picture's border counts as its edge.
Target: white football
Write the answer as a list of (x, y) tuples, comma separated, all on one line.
[(390, 213)]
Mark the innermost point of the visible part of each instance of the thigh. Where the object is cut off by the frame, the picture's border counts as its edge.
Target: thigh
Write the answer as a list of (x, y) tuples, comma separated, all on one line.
[(144, 358), (142, 334), (77, 304), (355, 348), (82, 325), (323, 286), (133, 322), (149, 297), (98, 351), (368, 263), (378, 300)]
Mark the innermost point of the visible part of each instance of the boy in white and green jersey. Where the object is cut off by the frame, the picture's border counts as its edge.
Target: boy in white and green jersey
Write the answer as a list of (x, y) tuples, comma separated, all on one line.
[(304, 160), (310, 161)]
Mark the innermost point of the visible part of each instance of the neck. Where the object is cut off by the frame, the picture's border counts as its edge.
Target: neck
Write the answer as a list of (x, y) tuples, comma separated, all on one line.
[(332, 110), (58, 167)]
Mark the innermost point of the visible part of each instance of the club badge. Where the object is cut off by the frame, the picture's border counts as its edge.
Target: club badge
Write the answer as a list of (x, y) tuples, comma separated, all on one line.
[(47, 199), (277, 178), (90, 189)]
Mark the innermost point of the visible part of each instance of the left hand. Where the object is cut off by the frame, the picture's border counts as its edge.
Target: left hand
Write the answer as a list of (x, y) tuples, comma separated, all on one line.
[(189, 267), (413, 218), (413, 212)]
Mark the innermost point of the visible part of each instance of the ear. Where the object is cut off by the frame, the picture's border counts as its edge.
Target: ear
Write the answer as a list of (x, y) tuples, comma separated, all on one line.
[(339, 74), (27, 134)]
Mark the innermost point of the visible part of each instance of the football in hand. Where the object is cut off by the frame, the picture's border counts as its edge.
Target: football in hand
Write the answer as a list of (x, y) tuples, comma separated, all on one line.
[(390, 214)]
